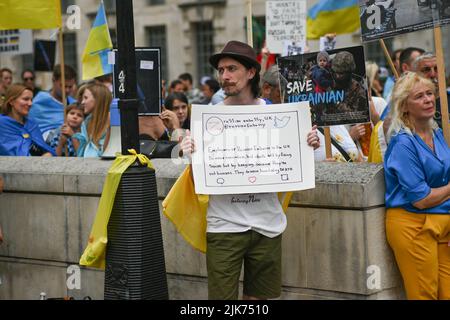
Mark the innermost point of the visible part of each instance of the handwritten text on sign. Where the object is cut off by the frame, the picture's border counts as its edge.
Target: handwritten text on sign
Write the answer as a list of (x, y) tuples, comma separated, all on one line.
[(248, 149), (285, 21)]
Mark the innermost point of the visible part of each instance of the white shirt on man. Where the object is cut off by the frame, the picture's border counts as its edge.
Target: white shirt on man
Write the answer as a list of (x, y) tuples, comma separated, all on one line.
[(261, 212)]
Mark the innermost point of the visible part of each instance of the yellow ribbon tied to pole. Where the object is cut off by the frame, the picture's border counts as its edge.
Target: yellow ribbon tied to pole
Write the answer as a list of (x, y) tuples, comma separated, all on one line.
[(95, 252)]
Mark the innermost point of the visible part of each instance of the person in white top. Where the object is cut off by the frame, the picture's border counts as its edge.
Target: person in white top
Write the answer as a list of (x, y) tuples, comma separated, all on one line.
[(243, 227)]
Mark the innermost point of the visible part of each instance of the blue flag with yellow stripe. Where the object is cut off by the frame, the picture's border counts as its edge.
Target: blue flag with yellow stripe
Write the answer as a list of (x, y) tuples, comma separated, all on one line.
[(95, 54), (332, 16)]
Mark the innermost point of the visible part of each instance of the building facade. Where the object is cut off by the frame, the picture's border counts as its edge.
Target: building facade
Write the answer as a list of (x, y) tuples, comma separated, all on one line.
[(189, 31)]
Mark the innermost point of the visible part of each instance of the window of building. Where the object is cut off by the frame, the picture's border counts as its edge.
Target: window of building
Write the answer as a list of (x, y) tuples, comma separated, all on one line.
[(157, 38), (70, 50), (110, 6), (204, 42), (156, 2)]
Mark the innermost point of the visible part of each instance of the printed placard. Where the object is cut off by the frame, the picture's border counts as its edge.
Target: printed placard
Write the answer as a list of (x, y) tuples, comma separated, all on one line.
[(334, 82), (327, 43), (148, 76), (18, 41), (252, 149), (285, 21)]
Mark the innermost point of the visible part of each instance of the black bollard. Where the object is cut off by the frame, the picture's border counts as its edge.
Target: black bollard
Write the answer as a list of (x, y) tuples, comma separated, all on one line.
[(135, 267)]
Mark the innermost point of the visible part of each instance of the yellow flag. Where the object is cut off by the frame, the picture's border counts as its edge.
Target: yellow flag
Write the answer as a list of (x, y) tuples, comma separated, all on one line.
[(94, 254), (30, 14), (187, 210)]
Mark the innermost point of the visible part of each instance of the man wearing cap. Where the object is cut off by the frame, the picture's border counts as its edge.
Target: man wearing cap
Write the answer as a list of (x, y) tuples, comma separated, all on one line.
[(270, 85), (243, 227)]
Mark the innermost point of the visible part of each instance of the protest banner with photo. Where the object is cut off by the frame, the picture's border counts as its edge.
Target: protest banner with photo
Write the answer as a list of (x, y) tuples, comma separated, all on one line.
[(252, 149), (148, 74), (382, 19), (334, 82), (285, 21), (16, 41)]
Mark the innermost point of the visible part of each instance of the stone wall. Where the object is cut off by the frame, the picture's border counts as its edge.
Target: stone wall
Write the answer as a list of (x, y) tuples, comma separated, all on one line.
[(334, 246)]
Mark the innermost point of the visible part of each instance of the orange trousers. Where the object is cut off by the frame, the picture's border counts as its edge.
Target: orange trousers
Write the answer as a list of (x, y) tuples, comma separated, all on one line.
[(421, 247)]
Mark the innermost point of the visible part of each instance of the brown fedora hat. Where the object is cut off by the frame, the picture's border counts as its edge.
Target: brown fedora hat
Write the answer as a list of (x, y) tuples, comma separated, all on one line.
[(240, 51)]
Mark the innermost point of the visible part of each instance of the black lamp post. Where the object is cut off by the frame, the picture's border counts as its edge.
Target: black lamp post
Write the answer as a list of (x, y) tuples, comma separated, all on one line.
[(135, 265)]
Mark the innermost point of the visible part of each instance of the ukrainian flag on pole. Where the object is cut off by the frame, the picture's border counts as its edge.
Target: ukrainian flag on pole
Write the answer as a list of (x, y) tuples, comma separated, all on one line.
[(332, 16), (30, 14), (95, 54)]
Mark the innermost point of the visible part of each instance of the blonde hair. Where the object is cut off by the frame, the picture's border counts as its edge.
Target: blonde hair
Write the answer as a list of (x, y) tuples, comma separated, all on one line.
[(371, 71), (13, 92), (400, 94), (99, 122)]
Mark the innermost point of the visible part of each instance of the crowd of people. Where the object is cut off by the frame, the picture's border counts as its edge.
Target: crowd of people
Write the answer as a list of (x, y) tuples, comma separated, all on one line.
[(80, 125), (404, 133)]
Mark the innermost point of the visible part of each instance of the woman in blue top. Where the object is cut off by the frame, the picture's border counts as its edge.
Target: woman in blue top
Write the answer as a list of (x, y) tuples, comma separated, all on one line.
[(417, 173), (20, 136)]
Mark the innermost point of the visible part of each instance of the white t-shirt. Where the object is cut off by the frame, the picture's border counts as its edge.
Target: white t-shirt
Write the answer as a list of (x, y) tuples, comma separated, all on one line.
[(341, 135), (380, 104), (261, 212)]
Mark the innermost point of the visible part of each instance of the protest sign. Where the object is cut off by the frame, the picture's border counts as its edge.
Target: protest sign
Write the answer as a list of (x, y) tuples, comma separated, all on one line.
[(327, 43), (333, 82), (292, 48), (285, 21), (252, 149), (16, 41), (148, 74), (382, 19)]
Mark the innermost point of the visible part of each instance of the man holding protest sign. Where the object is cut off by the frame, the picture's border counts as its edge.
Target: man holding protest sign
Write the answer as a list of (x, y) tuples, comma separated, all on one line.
[(244, 227)]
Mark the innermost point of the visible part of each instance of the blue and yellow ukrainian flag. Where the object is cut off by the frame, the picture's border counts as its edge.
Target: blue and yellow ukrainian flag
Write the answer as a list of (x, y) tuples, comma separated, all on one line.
[(332, 16), (95, 54)]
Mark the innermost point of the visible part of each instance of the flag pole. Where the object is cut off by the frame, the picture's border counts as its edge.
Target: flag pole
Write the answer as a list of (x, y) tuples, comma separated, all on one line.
[(441, 82), (249, 24), (389, 59), (327, 134), (63, 75)]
